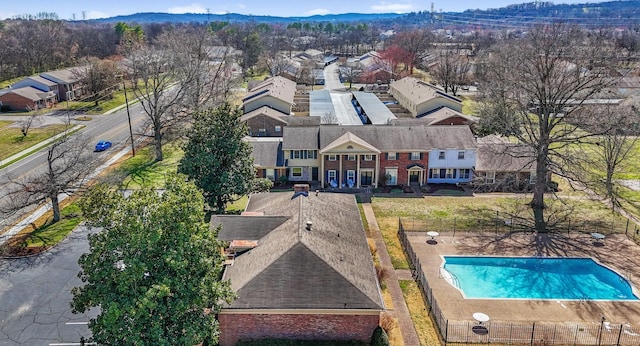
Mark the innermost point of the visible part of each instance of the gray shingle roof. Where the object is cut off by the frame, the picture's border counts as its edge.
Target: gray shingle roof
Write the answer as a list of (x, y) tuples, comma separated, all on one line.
[(328, 267), (267, 112), (300, 137), (66, 75), (447, 136), (245, 228), (418, 91), (383, 137), (504, 157), (266, 151)]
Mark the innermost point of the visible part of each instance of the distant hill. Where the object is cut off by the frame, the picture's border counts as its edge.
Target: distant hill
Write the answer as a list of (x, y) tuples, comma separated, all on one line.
[(621, 13), (153, 17)]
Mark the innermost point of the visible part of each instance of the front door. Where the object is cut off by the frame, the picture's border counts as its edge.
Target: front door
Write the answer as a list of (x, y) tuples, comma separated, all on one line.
[(366, 178), (414, 177), (314, 173)]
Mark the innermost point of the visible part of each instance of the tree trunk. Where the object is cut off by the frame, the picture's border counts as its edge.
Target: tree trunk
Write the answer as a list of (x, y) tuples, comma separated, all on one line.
[(539, 188), (55, 206), (158, 147)]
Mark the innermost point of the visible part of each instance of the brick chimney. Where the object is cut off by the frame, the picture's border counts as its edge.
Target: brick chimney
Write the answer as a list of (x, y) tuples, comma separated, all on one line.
[(301, 188)]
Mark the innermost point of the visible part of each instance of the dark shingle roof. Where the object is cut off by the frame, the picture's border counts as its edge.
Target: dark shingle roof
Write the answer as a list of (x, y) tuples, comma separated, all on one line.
[(383, 137), (300, 137), (266, 151), (245, 228), (328, 267)]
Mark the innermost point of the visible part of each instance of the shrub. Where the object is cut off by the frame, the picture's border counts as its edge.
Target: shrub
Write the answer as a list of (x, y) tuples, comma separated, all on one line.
[(387, 322), (287, 342), (379, 337), (262, 185), (283, 180)]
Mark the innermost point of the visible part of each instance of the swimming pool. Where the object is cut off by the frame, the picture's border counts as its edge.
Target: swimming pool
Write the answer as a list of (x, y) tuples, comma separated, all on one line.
[(535, 278)]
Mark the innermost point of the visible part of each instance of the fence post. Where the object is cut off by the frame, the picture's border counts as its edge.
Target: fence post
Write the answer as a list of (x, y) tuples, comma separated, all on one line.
[(497, 216), (626, 229), (619, 333), (533, 330), (446, 331), (454, 226)]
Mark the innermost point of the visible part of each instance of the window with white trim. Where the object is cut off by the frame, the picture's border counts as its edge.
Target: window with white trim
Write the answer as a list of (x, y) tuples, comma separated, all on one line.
[(311, 154), (415, 155), (278, 128), (451, 173), (391, 156), (434, 173), (333, 157), (331, 175), (351, 175), (532, 178), (392, 176), (465, 173), (490, 177), (441, 155), (351, 157), (296, 172), (368, 157), (461, 155), (296, 154)]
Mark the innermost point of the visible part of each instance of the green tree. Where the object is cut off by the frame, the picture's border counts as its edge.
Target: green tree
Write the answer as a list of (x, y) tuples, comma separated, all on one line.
[(153, 270), (252, 50), (216, 158)]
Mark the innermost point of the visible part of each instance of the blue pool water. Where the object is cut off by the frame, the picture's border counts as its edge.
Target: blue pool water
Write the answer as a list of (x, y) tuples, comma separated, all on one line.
[(536, 278)]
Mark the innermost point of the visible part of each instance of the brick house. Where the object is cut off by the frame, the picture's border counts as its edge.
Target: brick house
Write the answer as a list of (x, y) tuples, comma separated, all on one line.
[(268, 122), (28, 98), (360, 156), (69, 85), (39, 83), (504, 166), (268, 157), (421, 98), (301, 267)]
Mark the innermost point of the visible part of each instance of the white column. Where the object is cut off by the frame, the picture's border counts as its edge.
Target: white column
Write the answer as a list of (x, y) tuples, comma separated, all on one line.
[(322, 170), (358, 171), (340, 172), (377, 172)]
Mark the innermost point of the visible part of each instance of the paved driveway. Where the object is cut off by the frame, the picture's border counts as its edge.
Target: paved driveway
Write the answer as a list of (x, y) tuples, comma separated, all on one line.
[(35, 294)]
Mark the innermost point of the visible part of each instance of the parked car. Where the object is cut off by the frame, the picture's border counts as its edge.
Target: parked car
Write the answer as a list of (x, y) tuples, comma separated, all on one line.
[(103, 145)]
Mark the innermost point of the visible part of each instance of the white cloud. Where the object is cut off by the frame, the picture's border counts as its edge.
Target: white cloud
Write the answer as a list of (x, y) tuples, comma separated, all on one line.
[(242, 6), (392, 7), (317, 11), (93, 15), (193, 8)]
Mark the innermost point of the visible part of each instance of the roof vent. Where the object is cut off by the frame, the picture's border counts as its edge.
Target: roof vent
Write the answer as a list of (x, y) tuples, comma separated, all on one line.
[(309, 223)]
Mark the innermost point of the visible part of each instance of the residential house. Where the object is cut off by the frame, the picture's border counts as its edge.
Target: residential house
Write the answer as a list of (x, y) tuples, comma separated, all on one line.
[(69, 85), (421, 98), (503, 166), (357, 156), (265, 122), (27, 98), (301, 268), (453, 154), (275, 92), (39, 83), (268, 157)]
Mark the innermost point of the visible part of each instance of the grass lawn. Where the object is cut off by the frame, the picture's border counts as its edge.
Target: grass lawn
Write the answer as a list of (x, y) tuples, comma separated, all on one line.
[(418, 311), (12, 141), (51, 234), (238, 206), (143, 171)]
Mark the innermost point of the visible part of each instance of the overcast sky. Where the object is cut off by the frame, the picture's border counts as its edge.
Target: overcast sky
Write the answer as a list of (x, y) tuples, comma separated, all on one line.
[(285, 8)]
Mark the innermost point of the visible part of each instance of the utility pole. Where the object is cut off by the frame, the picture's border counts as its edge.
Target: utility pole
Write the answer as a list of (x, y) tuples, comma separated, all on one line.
[(126, 101)]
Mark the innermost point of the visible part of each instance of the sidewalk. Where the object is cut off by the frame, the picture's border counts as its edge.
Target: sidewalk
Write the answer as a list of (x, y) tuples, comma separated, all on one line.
[(400, 311), (37, 146), (36, 214)]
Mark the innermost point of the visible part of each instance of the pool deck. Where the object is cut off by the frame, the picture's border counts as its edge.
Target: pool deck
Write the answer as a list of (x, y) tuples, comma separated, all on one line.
[(616, 252)]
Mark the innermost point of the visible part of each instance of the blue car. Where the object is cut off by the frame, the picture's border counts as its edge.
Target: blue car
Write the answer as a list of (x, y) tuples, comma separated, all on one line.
[(103, 145)]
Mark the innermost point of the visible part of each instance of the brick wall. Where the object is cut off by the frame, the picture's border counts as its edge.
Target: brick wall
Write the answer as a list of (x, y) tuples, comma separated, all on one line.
[(263, 122), (16, 102), (401, 162), (235, 327)]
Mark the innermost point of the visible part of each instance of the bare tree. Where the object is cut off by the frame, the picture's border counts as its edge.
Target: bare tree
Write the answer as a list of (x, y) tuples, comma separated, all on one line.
[(351, 71), (99, 77), (538, 82), (177, 79), (612, 151), (28, 122), (416, 43), (452, 70), (67, 167)]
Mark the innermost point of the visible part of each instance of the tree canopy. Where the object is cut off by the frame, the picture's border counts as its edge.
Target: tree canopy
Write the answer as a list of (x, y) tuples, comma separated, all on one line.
[(216, 158), (153, 270)]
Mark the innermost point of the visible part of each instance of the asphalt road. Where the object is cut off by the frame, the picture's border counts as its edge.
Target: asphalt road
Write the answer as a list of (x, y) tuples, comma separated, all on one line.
[(111, 127), (35, 293)]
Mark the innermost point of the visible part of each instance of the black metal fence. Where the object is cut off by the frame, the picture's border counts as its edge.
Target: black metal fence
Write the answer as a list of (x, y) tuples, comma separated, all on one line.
[(513, 333)]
